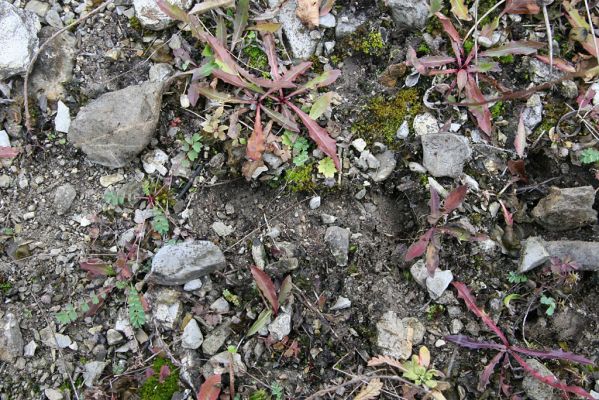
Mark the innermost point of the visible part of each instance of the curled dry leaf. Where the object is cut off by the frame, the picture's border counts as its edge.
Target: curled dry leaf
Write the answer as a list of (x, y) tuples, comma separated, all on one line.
[(308, 12), (210, 389), (371, 391), (255, 145)]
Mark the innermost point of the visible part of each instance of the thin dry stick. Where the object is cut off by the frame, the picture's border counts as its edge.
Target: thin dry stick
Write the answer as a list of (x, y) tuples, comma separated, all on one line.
[(549, 37), (482, 18), (586, 6), (66, 371), (42, 47)]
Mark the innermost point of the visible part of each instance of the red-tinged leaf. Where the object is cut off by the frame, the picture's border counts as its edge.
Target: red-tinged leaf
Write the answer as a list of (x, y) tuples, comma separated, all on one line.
[(558, 354), (431, 260), (149, 372), (462, 79), (231, 79), (208, 5), (518, 169), (270, 49), (267, 287), (413, 60), (319, 135), (203, 71), (458, 232), (455, 199), (464, 293), (434, 206), (521, 7), (193, 94), (377, 361), (240, 22), (285, 290), (210, 389), (484, 66), (460, 10), (281, 119), (165, 371), (96, 267), (326, 7), (223, 54), (267, 83), (550, 380), (255, 146), (296, 71), (172, 10), (183, 55), (507, 216), (485, 376), (9, 152), (520, 47), (144, 303), (480, 112), (473, 344), (436, 61), (217, 96), (558, 63), (324, 79), (520, 139), (419, 247), (456, 39)]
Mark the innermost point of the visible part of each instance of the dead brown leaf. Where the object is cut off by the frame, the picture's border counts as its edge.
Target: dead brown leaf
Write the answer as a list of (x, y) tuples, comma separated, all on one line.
[(308, 12), (371, 391)]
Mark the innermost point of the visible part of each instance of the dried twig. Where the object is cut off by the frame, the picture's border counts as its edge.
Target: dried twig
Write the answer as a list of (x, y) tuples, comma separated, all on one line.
[(42, 47)]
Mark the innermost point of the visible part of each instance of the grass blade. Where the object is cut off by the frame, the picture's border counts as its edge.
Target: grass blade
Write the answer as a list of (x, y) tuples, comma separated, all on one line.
[(240, 22)]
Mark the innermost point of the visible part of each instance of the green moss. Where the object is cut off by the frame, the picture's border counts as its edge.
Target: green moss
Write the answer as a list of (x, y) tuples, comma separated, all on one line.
[(371, 44), (434, 311), (336, 59), (468, 45), (317, 66), (423, 49), (508, 59), (382, 118), (497, 110), (367, 332), (257, 59), (552, 112), (299, 179), (5, 287), (433, 26), (260, 394), (135, 24), (353, 269), (152, 389)]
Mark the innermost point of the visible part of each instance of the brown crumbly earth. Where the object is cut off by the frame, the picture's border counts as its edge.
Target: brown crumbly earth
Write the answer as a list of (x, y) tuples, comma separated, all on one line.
[(325, 346)]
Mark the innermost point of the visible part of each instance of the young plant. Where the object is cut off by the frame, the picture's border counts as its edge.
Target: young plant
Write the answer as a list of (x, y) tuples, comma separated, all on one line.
[(430, 242), (465, 69), (505, 350), (268, 290), (192, 146), (275, 97)]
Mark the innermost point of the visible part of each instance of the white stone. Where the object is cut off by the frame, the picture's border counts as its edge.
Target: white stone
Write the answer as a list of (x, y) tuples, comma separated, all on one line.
[(220, 305), (437, 284), (397, 336), (4, 139), (300, 42), (62, 121), (425, 124), (109, 180), (221, 229), (154, 160), (152, 17), (160, 72), (533, 254), (29, 349), (192, 285), (327, 21), (403, 131), (92, 372), (280, 327), (192, 337), (53, 394), (341, 304), (18, 39), (314, 202)]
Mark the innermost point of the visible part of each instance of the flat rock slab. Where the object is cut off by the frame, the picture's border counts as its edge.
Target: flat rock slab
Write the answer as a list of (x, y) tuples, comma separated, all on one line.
[(178, 264), (396, 336), (445, 154), (117, 126), (18, 39), (567, 208), (337, 240), (536, 251)]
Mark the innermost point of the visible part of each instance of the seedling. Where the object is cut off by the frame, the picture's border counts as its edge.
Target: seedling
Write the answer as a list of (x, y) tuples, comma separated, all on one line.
[(505, 350), (550, 303), (192, 146), (515, 277)]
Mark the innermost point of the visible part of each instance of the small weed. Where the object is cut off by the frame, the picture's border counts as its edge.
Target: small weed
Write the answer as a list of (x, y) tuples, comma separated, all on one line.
[(158, 387), (114, 199), (434, 311), (589, 156), (231, 298), (192, 146), (515, 277), (550, 303)]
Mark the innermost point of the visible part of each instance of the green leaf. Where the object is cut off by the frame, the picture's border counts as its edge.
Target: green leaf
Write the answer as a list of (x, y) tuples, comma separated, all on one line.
[(197, 146), (261, 321), (589, 156), (288, 138), (550, 303), (300, 159), (326, 166), (160, 222), (459, 9), (192, 155), (301, 144), (321, 105), (435, 6), (95, 299), (515, 277), (196, 137), (510, 297), (185, 147), (137, 315)]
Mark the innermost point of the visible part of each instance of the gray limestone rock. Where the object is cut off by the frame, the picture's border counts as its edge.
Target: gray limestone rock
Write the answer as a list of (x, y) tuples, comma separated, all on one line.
[(54, 66), (396, 336), (536, 251), (216, 339), (300, 42), (63, 198), (177, 264), (92, 371), (166, 307), (567, 208), (409, 14), (535, 389), (152, 17), (192, 337), (387, 163), (11, 341), (117, 126), (338, 241), (18, 39), (445, 154)]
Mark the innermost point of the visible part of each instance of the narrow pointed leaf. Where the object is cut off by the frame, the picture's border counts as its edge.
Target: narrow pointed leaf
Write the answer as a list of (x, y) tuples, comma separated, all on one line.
[(436, 61), (485, 376), (520, 47), (294, 72), (455, 199), (326, 7), (281, 119), (261, 321), (240, 22), (386, 360), (521, 7), (285, 290), (456, 39), (432, 257), (217, 96), (267, 287), (324, 79), (434, 206), (460, 10), (464, 293), (419, 247), (96, 267), (554, 354), (480, 112), (210, 389), (321, 137), (208, 5), (223, 54), (520, 139), (469, 343), (558, 63), (173, 11), (270, 48), (321, 104), (255, 146)]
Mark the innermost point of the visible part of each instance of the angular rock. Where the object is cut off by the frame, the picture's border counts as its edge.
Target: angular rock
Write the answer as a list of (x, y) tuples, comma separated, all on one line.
[(177, 264), (397, 336), (338, 241), (92, 371), (160, 72), (219, 364), (341, 304), (62, 121), (192, 337), (154, 160), (536, 251), (425, 124), (314, 203), (533, 254), (192, 285), (567, 208), (18, 39), (436, 285), (152, 17), (113, 337), (535, 389), (533, 112), (409, 14), (63, 198), (387, 163), (280, 327), (302, 45), (54, 66), (38, 7), (53, 394), (348, 24), (117, 126), (29, 349), (445, 154), (216, 339), (222, 229), (166, 307), (54, 340), (11, 341)]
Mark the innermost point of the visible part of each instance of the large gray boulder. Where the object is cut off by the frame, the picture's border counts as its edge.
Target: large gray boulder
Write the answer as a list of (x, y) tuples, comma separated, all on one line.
[(177, 264), (152, 17), (117, 126), (409, 14), (567, 208), (18, 39)]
